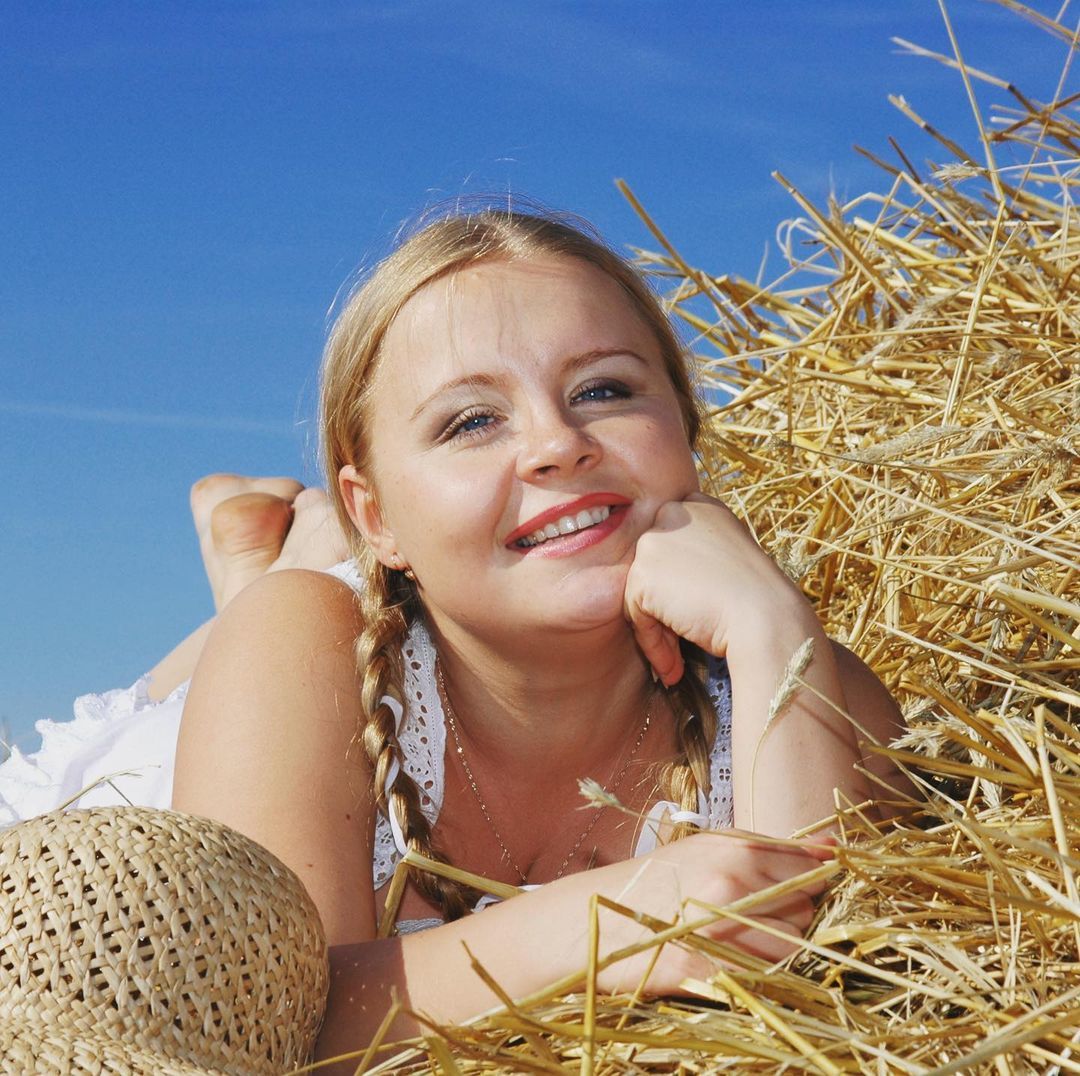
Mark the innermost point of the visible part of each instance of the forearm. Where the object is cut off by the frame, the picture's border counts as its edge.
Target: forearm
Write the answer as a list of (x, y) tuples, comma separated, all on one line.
[(524, 944), (785, 771)]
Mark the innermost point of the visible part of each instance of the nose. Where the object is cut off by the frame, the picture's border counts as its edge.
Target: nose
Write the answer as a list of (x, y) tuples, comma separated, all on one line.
[(556, 444)]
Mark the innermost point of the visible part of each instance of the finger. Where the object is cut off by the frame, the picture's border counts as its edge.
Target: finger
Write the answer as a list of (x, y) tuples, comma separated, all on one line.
[(767, 945), (796, 906), (703, 498), (794, 881), (776, 943), (658, 643), (821, 848), (776, 861)]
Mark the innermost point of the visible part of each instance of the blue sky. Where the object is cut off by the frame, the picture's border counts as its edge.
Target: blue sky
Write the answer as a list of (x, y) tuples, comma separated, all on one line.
[(184, 187)]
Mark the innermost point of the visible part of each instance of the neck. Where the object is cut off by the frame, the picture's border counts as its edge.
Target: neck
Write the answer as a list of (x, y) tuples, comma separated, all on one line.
[(570, 699)]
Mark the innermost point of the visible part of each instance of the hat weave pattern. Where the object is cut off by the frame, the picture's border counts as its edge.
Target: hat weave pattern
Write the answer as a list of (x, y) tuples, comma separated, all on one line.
[(53, 1051), (172, 936)]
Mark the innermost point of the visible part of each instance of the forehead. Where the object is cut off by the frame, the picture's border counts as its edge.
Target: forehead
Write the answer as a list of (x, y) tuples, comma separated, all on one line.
[(501, 311)]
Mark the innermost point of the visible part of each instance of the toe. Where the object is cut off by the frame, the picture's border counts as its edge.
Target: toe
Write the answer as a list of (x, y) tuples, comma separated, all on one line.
[(310, 497), (211, 490)]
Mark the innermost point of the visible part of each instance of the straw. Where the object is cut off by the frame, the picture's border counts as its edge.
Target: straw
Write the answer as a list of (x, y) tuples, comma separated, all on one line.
[(897, 418)]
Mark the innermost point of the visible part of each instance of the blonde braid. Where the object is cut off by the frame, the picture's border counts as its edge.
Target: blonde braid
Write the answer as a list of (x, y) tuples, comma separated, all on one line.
[(443, 246), (695, 731), (384, 603)]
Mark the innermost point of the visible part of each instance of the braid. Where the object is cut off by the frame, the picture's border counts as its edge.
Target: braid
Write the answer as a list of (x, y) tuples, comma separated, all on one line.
[(695, 731), (385, 600)]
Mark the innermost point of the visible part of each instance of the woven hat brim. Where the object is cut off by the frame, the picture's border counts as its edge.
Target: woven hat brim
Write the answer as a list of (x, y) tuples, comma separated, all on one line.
[(27, 1047)]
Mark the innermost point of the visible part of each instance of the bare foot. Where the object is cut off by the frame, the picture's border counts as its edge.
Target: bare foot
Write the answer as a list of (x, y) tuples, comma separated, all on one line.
[(249, 526), (213, 490), (248, 532), (315, 539), (255, 533)]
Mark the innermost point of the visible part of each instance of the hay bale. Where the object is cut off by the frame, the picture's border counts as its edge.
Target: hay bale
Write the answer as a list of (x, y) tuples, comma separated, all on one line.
[(898, 418)]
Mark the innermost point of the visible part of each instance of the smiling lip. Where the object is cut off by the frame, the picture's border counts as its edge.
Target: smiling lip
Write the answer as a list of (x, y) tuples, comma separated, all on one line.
[(591, 500)]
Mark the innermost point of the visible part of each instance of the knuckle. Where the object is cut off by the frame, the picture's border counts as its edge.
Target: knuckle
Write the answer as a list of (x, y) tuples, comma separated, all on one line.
[(684, 964), (670, 513), (646, 548)]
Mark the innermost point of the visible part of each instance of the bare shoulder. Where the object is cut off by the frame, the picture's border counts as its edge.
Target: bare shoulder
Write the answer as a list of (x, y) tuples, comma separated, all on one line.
[(268, 739), (286, 639), (288, 608)]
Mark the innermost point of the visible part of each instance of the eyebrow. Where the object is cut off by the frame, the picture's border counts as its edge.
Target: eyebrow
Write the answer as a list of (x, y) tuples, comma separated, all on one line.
[(574, 362)]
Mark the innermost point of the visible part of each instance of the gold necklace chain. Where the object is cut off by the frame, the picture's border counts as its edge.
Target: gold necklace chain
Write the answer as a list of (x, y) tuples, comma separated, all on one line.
[(451, 720)]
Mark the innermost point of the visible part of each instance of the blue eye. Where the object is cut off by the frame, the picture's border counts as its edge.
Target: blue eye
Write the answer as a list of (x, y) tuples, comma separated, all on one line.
[(468, 424), (602, 390)]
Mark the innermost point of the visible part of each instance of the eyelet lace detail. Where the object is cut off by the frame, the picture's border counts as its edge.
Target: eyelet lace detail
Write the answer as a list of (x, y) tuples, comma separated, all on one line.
[(721, 807), (423, 744), (422, 738)]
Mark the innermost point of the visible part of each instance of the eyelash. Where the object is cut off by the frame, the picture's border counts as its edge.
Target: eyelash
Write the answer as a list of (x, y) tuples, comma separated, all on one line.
[(618, 390), (456, 429)]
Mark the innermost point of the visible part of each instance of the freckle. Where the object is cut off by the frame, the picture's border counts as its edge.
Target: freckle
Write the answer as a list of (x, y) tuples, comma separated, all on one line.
[(348, 818), (311, 864)]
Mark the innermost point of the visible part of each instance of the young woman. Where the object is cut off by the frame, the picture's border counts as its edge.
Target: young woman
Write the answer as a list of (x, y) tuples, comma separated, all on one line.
[(544, 596)]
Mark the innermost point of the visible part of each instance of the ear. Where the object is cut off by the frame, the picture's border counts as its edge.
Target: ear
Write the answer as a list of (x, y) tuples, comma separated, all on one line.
[(364, 511)]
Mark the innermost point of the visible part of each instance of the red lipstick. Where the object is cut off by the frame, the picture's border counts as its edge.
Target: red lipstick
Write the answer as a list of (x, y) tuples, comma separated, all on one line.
[(590, 500)]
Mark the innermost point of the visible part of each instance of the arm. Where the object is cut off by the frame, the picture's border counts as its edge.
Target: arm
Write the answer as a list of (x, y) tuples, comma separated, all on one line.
[(265, 747), (266, 736), (541, 938), (880, 722), (699, 575), (784, 775)]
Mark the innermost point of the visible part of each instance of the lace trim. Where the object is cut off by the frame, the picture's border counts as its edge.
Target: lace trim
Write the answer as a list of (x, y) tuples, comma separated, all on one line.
[(422, 736), (721, 808), (117, 747)]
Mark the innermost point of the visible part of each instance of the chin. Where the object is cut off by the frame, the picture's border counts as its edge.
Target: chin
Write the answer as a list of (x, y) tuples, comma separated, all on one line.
[(594, 601)]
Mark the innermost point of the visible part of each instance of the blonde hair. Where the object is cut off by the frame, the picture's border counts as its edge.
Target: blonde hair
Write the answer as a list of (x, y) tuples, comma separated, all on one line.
[(389, 601)]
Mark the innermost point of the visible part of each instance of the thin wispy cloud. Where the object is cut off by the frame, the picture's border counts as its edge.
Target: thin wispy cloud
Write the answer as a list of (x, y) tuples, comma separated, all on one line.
[(120, 417)]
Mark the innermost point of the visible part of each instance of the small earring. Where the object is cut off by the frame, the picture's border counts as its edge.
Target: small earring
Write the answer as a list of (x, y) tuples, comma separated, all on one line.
[(401, 566)]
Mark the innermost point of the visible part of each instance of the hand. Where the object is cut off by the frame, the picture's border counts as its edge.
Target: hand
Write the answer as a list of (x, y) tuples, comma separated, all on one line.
[(698, 574), (715, 869)]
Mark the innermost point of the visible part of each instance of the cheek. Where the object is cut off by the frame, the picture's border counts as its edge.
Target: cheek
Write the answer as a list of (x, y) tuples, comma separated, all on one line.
[(441, 515), (663, 453), (681, 456)]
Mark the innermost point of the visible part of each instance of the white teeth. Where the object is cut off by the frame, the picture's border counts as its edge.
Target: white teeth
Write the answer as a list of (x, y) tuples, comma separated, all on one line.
[(587, 517)]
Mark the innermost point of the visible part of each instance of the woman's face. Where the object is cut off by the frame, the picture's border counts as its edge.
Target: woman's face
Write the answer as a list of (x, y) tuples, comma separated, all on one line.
[(523, 434)]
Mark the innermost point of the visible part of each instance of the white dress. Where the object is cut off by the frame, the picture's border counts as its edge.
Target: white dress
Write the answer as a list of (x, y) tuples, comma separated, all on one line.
[(120, 748)]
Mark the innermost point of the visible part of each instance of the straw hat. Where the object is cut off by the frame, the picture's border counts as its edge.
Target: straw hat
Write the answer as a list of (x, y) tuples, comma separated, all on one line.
[(142, 941), (28, 1047)]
